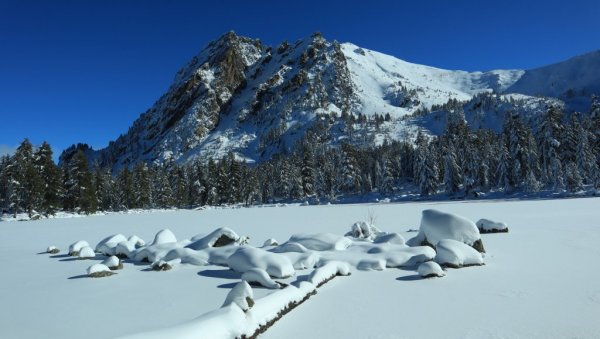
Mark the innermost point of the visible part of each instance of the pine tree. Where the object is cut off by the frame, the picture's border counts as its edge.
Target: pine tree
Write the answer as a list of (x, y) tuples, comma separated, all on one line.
[(80, 193), (503, 171), (27, 184), (451, 170), (50, 177)]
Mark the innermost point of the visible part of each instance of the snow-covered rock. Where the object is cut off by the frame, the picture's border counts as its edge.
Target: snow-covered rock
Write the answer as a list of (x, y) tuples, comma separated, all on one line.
[(270, 242), (322, 241), (164, 237), (86, 253), (260, 277), (113, 263), (217, 238), (99, 271), (437, 225), (246, 258), (139, 242), (76, 247), (455, 254), (163, 265), (489, 226), (125, 248), (364, 230), (109, 244), (241, 295), (52, 250), (430, 269)]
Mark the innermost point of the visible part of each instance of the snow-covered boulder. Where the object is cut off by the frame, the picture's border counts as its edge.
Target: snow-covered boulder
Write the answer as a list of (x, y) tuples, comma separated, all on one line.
[(247, 258), (75, 247), (270, 242), (322, 241), (455, 254), (113, 263), (125, 248), (137, 241), (220, 237), (260, 277), (99, 271), (430, 269), (52, 250), (164, 237), (437, 225), (327, 272), (241, 295), (489, 226), (86, 253), (364, 230), (163, 265), (109, 244)]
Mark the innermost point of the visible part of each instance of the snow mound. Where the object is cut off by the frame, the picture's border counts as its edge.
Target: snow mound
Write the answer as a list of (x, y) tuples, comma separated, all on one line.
[(455, 254), (260, 277), (437, 225), (164, 237), (430, 269), (108, 245), (99, 271), (217, 238), (290, 247), (241, 295), (302, 261), (327, 272), (52, 250), (188, 256), (247, 258), (371, 265), (389, 238), (113, 263), (76, 247), (322, 241), (489, 226), (86, 253)]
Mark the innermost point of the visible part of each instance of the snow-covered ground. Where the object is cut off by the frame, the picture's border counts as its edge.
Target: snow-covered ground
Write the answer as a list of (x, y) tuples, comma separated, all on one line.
[(539, 280)]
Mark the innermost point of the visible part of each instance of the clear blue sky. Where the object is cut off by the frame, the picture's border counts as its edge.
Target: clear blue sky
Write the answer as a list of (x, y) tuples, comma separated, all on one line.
[(83, 71)]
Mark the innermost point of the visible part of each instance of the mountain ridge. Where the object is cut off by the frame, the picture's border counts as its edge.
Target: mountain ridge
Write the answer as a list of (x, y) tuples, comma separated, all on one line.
[(238, 95)]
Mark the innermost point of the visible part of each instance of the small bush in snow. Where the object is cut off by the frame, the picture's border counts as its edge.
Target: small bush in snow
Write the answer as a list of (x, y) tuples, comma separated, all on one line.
[(76, 247)]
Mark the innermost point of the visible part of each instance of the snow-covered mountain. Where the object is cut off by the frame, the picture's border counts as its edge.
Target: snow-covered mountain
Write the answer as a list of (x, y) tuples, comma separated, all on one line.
[(254, 100)]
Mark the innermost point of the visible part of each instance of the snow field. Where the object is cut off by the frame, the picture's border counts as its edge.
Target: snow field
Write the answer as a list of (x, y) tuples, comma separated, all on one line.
[(564, 232)]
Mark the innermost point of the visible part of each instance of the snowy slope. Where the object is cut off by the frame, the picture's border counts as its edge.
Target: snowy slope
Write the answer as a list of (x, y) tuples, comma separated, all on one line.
[(539, 280), (581, 73), (384, 82)]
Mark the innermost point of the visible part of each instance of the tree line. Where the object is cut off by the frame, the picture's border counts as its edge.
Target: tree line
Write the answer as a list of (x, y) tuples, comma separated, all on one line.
[(562, 153)]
